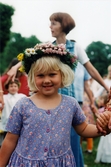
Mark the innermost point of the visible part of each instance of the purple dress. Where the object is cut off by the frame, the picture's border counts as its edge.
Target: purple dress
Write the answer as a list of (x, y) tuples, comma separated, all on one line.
[(44, 134)]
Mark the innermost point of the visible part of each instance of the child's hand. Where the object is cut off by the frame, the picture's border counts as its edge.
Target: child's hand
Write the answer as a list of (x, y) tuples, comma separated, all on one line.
[(102, 122)]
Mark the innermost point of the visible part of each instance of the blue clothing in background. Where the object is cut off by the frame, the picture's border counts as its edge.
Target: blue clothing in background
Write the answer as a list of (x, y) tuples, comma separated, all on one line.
[(69, 90), (75, 138), (80, 76)]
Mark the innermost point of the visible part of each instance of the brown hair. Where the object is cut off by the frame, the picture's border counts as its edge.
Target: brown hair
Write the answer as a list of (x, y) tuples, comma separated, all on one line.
[(16, 81), (66, 21), (12, 63)]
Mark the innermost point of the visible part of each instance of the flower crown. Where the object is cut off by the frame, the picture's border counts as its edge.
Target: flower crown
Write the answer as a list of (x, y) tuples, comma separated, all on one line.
[(30, 55)]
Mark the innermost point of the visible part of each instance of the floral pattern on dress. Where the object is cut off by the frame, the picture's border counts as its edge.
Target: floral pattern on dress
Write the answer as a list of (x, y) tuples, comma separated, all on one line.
[(44, 134)]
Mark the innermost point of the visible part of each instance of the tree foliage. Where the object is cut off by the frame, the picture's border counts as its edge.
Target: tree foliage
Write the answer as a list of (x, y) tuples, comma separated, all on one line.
[(11, 44), (100, 56), (5, 24), (16, 45)]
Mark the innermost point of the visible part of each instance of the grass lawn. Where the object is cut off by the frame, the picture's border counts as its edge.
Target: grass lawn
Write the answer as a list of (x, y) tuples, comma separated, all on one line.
[(89, 158)]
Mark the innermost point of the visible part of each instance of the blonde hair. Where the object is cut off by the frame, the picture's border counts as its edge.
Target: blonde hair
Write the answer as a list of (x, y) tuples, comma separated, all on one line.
[(47, 64)]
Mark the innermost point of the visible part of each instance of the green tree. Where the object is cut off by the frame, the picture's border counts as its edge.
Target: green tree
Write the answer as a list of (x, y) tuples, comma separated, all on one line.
[(5, 24), (100, 56), (16, 45)]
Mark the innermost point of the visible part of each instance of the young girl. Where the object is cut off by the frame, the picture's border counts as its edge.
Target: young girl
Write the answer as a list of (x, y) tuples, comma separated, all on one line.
[(39, 126), (60, 25), (10, 99), (100, 103), (22, 77), (104, 146), (107, 81)]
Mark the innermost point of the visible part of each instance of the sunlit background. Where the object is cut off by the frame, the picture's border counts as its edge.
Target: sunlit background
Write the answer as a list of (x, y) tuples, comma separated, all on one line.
[(92, 17)]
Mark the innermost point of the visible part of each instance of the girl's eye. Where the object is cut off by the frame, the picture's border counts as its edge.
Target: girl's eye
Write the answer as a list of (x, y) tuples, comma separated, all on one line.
[(52, 74), (40, 75), (52, 23)]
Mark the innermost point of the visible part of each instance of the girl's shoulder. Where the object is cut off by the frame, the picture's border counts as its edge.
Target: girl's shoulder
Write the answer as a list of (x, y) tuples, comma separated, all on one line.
[(69, 98), (70, 102), (22, 105), (23, 101)]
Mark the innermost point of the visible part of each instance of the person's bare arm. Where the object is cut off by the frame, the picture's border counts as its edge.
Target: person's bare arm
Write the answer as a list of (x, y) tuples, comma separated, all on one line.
[(87, 130), (7, 148), (12, 72), (89, 92), (91, 97), (95, 74)]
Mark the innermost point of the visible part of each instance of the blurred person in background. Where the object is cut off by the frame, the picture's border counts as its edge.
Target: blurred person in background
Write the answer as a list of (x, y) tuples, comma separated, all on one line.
[(103, 154), (94, 85), (22, 77), (81, 79), (107, 81), (9, 100), (61, 24), (88, 111)]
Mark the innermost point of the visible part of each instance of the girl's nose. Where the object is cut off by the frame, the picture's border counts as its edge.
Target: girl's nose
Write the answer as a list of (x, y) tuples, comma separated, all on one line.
[(46, 80), (50, 25)]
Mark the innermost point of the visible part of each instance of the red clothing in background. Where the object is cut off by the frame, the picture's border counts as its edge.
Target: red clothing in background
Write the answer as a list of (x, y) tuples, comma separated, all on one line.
[(23, 81)]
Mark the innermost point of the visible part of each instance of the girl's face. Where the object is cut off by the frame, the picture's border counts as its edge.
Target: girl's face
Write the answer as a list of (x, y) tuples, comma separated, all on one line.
[(48, 84), (13, 88), (56, 28)]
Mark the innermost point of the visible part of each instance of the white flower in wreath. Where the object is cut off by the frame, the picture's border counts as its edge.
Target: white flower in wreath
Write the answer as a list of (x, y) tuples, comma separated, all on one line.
[(29, 51)]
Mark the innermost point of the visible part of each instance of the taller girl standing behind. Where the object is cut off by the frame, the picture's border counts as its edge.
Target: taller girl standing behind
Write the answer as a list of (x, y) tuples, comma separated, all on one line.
[(61, 25), (39, 126)]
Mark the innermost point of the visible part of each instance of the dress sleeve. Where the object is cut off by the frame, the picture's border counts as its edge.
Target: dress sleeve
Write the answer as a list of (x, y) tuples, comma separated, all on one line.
[(78, 116), (14, 124)]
